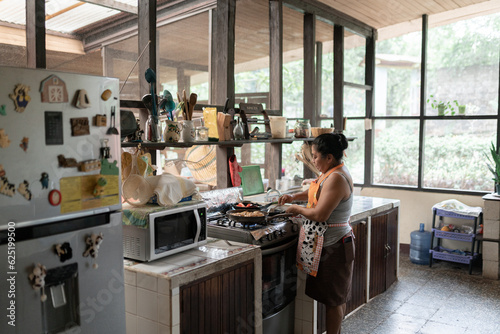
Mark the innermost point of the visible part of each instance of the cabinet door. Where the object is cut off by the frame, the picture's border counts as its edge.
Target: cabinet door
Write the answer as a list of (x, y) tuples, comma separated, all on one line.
[(383, 251), (220, 303)]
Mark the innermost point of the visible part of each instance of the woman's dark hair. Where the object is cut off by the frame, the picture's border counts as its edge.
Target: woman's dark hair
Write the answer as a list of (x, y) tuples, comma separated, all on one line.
[(331, 143)]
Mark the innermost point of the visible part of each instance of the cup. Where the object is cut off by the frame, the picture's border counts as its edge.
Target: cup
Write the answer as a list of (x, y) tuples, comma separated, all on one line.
[(188, 134), (172, 131), (278, 126)]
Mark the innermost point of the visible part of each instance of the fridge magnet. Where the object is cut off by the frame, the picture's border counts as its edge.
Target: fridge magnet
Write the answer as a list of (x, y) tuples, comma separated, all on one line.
[(45, 180), (55, 197), (37, 278), (4, 139), (64, 251), (6, 188), (24, 143), (93, 242), (53, 90), (106, 95), (100, 187), (104, 151), (2, 171), (24, 189), (99, 120), (109, 168), (67, 162), (80, 126), (81, 100), (2, 110), (21, 97), (90, 165)]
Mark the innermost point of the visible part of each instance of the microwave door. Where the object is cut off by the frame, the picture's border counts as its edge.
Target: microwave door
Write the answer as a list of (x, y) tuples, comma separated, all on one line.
[(198, 228)]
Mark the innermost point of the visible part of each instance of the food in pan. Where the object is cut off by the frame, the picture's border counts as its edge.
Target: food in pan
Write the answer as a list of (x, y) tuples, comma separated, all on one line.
[(249, 214)]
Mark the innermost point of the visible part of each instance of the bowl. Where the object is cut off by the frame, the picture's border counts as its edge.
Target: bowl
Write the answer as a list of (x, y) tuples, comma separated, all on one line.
[(316, 131)]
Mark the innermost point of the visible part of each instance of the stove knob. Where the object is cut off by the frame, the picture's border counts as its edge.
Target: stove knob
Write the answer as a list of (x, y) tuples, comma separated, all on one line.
[(295, 227), (270, 237), (277, 234)]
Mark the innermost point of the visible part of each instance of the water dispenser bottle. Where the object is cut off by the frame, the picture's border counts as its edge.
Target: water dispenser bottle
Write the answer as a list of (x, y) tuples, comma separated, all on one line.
[(420, 245)]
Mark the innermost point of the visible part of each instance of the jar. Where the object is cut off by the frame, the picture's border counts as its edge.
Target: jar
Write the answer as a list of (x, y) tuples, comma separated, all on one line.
[(152, 129), (302, 128), (201, 133)]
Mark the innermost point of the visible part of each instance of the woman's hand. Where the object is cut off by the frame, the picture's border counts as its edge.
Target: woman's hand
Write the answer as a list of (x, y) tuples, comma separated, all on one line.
[(294, 209), (285, 199)]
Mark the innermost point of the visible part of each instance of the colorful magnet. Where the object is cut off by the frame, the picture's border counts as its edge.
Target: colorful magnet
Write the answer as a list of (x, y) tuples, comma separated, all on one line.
[(6, 188), (100, 187), (81, 100), (64, 251), (45, 180), (37, 278), (2, 110), (106, 95), (4, 139), (55, 197), (2, 171), (53, 90), (109, 168), (90, 165), (67, 162), (80, 126), (93, 242), (105, 149), (24, 143), (99, 120), (21, 97), (24, 189)]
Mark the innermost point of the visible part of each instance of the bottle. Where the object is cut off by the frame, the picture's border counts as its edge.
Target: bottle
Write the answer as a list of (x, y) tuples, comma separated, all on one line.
[(302, 128), (420, 245)]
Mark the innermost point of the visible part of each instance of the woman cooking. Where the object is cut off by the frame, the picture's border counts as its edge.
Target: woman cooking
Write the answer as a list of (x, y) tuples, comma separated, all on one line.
[(326, 249)]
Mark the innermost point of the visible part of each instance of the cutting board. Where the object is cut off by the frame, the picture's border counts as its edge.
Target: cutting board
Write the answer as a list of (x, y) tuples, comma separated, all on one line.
[(251, 180)]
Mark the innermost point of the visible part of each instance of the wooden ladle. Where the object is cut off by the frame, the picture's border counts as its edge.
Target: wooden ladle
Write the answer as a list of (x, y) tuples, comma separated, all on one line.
[(192, 102)]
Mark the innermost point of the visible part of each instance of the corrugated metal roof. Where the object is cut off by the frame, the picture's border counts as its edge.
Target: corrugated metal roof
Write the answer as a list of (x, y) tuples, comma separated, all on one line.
[(63, 15)]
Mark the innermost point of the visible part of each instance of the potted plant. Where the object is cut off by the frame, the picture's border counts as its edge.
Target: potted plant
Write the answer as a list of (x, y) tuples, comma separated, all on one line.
[(444, 107), (493, 164)]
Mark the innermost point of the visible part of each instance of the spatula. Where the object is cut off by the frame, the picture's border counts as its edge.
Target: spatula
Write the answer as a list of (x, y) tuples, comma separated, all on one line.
[(192, 102), (112, 130)]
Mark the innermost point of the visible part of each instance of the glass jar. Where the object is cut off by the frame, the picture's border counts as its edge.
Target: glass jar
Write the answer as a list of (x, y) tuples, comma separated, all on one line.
[(302, 128), (152, 129), (201, 133)]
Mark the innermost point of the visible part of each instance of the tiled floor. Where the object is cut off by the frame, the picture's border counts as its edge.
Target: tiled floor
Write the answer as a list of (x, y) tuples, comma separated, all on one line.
[(443, 299)]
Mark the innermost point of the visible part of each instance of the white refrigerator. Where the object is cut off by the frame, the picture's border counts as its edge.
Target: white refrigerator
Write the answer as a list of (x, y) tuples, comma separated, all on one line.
[(61, 257)]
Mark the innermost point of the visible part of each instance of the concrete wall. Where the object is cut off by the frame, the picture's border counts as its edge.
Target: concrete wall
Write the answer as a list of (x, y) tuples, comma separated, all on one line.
[(416, 207)]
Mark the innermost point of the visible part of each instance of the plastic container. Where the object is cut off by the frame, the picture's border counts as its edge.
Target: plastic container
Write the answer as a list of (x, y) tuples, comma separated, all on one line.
[(420, 246), (278, 126)]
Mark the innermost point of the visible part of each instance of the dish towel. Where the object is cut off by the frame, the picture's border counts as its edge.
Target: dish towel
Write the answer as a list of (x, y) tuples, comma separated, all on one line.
[(235, 169)]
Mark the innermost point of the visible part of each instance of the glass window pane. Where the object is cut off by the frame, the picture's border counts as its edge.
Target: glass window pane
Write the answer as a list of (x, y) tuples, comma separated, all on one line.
[(395, 153), (121, 57), (293, 63), (252, 68), (354, 102), (324, 34), (354, 58), (355, 153), (454, 154), (397, 76), (184, 66), (463, 65)]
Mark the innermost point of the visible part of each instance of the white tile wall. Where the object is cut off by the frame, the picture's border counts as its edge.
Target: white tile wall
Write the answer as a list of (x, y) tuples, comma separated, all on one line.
[(147, 282), (147, 304), (164, 315), (491, 269), (491, 228), (130, 277), (130, 299), (163, 286), (491, 210), (131, 323), (146, 326), (491, 251)]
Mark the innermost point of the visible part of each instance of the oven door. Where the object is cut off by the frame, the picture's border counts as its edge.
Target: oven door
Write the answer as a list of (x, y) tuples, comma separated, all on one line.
[(279, 276), (174, 232)]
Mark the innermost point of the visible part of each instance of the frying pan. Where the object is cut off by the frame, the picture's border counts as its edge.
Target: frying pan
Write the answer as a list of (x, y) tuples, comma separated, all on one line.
[(254, 220)]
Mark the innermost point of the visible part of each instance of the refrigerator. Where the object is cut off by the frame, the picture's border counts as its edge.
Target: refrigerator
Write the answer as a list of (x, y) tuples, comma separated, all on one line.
[(61, 255)]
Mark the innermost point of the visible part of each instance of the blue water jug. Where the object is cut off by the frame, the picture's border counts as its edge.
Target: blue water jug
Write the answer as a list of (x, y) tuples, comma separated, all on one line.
[(420, 245)]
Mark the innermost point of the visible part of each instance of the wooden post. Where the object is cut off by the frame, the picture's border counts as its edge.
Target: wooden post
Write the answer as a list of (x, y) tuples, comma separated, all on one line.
[(338, 78), (35, 34)]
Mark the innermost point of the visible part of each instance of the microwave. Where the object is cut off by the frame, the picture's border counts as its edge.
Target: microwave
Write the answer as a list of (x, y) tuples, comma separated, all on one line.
[(166, 232)]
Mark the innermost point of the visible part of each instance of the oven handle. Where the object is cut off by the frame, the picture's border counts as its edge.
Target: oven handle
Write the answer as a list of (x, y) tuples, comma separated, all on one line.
[(279, 248)]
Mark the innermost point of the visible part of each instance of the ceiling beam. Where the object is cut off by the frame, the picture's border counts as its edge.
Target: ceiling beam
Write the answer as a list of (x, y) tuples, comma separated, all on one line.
[(112, 4)]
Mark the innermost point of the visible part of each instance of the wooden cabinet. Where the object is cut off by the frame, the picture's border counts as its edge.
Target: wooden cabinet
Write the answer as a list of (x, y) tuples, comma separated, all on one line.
[(220, 303), (383, 251)]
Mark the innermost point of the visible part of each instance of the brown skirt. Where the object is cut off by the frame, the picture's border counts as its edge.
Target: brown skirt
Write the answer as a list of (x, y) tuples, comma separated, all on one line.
[(332, 284)]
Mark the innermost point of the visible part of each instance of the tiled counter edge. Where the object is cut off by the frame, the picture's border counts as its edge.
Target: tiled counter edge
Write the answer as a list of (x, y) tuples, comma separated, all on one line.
[(152, 300)]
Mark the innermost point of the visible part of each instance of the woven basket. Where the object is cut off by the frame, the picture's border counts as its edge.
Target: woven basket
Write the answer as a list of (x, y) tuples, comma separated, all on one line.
[(319, 131), (201, 161)]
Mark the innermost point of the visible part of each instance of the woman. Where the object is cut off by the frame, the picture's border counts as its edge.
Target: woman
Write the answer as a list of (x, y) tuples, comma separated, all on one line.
[(326, 249)]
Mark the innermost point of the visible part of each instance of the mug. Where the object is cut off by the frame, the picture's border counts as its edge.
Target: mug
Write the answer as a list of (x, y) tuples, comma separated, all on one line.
[(188, 134), (172, 131)]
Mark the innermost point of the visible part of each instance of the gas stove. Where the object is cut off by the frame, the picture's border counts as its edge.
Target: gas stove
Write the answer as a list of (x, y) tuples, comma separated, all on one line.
[(274, 232)]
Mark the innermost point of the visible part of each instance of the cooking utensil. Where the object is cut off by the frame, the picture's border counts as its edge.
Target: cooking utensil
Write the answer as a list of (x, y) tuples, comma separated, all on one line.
[(148, 102), (151, 79), (254, 220), (186, 104), (192, 102), (112, 130)]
